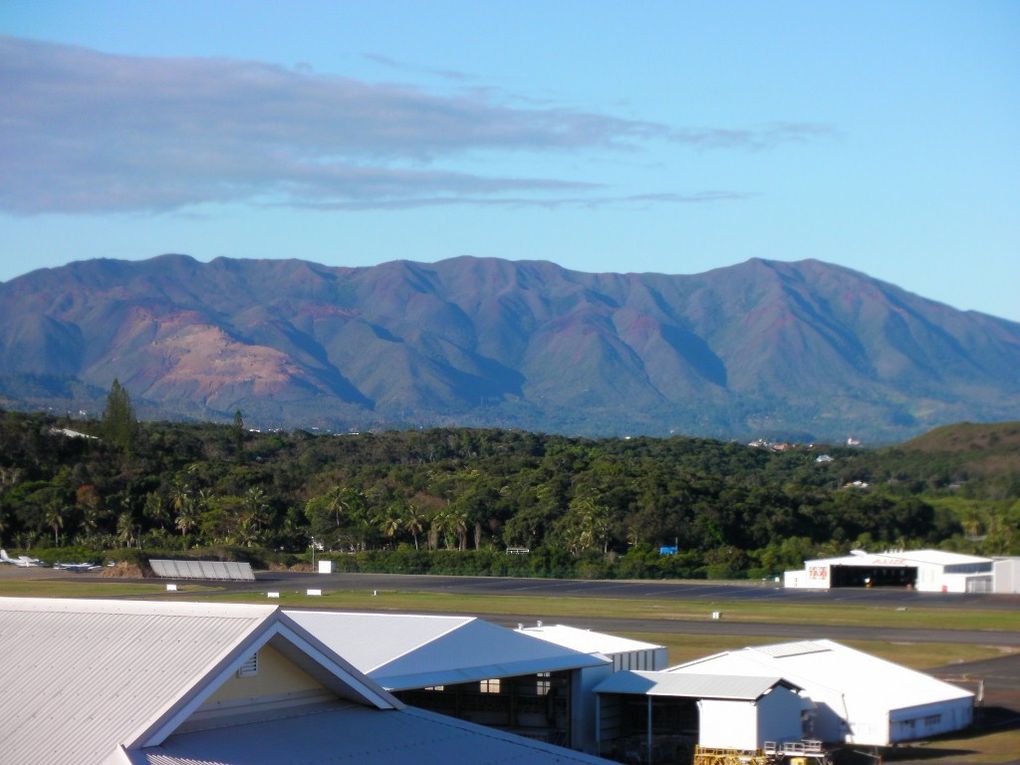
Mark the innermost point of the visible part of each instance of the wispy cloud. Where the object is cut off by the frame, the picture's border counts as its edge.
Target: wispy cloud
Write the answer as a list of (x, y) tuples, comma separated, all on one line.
[(83, 131), (755, 139), (550, 203), (392, 63)]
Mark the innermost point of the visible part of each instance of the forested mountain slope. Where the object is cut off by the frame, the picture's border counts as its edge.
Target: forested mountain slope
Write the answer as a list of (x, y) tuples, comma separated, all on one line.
[(805, 350)]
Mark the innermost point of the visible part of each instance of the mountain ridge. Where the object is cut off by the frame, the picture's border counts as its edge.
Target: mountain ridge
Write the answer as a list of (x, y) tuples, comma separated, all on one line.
[(763, 347)]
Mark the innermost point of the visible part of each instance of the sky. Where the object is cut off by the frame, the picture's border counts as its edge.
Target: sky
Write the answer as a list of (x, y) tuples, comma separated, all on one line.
[(671, 137)]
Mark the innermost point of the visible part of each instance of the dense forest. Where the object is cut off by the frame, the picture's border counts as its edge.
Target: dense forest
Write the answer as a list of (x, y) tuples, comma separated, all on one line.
[(454, 500)]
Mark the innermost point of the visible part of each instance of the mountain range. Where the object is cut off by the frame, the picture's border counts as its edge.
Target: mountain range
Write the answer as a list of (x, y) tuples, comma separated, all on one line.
[(804, 350)]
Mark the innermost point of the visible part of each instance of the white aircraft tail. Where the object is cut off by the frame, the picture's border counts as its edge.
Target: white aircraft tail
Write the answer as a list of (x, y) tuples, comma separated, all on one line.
[(4, 557)]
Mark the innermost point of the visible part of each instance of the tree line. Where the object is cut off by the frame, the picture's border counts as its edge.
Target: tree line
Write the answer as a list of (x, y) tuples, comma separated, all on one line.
[(452, 499)]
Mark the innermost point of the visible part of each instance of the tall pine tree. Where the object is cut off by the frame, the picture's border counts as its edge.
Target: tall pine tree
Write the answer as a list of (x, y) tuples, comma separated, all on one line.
[(119, 422)]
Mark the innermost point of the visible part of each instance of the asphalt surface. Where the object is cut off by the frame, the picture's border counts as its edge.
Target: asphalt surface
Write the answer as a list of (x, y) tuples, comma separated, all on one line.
[(660, 590), (634, 589)]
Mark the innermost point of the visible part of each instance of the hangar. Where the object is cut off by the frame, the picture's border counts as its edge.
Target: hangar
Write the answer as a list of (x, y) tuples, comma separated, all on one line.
[(851, 697), (662, 716), (471, 669), (99, 682), (923, 570)]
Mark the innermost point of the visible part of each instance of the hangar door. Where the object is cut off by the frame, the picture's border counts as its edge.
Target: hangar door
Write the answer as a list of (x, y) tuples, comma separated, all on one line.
[(874, 576)]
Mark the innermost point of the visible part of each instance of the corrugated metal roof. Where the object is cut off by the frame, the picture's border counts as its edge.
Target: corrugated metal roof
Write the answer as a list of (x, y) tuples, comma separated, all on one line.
[(357, 735), (854, 678), (402, 651), (587, 641), (687, 685), (79, 677)]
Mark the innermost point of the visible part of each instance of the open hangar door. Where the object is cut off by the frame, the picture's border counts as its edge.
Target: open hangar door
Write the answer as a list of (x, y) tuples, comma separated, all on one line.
[(873, 576)]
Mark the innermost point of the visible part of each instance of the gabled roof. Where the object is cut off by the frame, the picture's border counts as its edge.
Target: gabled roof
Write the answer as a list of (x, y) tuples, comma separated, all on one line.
[(357, 735), (587, 641), (403, 651), (80, 677), (824, 668), (681, 685)]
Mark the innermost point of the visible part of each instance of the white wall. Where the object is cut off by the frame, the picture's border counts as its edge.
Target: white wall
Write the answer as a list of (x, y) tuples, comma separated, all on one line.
[(779, 716), (1006, 576), (728, 724), (930, 720)]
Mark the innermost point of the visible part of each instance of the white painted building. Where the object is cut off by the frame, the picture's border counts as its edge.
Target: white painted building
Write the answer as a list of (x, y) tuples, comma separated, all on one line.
[(96, 682), (853, 697), (923, 570), (724, 711), (625, 653), (1006, 575)]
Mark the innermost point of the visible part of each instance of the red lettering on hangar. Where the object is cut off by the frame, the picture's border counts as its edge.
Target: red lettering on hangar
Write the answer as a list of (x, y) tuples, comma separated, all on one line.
[(818, 572)]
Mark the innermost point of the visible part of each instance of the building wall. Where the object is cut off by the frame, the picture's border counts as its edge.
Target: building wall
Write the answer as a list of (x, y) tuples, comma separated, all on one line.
[(728, 724), (1006, 575), (930, 720), (583, 708), (276, 675), (814, 576), (779, 716), (648, 659), (279, 685)]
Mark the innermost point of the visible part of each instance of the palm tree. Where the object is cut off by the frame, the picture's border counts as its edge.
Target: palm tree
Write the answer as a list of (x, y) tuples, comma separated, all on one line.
[(187, 519), (125, 529), (255, 516), (55, 520), (457, 523), (390, 522), (414, 522)]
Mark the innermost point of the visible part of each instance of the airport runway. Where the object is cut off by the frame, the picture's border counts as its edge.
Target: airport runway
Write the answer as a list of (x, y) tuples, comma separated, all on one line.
[(635, 589), (663, 590)]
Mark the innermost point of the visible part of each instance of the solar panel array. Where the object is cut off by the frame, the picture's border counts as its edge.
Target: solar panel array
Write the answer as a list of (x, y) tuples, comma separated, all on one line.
[(203, 569)]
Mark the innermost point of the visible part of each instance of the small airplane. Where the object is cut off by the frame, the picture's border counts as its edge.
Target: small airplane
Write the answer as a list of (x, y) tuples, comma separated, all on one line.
[(77, 567), (22, 560)]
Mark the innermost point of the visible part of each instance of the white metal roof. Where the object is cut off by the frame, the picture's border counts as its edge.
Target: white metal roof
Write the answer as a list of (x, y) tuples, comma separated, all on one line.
[(357, 735), (689, 685), (587, 641), (829, 670), (402, 651), (900, 558), (80, 677)]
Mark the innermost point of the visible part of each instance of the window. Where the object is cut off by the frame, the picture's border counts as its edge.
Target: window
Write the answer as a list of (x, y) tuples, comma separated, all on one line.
[(490, 686), (250, 668), (543, 684), (435, 688), (932, 720)]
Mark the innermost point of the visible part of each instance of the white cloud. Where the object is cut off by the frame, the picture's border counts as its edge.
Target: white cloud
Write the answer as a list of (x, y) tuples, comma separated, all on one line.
[(83, 131)]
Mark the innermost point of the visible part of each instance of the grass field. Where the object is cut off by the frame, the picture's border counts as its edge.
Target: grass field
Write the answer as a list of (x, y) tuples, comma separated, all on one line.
[(664, 610)]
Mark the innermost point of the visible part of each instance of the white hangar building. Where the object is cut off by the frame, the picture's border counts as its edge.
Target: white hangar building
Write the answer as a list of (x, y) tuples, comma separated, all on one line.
[(661, 716), (471, 669), (923, 570), (96, 682), (625, 653), (853, 697)]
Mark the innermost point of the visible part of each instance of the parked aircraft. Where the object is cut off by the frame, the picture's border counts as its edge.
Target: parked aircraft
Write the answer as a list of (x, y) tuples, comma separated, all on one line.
[(22, 560), (78, 567)]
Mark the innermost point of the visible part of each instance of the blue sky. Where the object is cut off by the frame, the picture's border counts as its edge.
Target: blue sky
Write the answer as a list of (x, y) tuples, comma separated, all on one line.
[(654, 136)]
